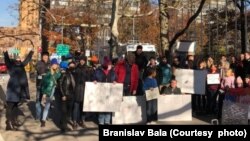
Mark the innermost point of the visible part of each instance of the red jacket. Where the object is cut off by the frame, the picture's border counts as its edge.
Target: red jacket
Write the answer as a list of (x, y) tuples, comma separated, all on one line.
[(120, 71)]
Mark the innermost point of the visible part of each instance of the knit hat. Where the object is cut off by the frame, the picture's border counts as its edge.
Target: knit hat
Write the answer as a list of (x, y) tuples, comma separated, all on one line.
[(54, 61), (106, 61), (64, 65)]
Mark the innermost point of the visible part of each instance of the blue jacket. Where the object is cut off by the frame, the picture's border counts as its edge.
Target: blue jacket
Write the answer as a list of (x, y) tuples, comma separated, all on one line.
[(100, 76), (149, 83)]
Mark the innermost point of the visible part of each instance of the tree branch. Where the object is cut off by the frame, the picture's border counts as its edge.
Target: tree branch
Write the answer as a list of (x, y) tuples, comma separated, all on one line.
[(138, 15), (192, 18)]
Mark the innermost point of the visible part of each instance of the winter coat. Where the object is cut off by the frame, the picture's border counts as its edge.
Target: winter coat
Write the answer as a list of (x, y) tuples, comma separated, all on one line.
[(49, 82), (164, 74), (170, 90), (120, 70), (42, 68), (67, 84), (82, 74), (149, 83), (141, 61), (100, 76), (17, 86)]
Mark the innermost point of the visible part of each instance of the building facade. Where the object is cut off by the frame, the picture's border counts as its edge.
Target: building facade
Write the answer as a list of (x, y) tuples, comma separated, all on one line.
[(27, 34)]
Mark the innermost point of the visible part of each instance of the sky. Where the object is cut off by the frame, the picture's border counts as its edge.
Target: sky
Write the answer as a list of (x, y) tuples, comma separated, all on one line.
[(8, 16)]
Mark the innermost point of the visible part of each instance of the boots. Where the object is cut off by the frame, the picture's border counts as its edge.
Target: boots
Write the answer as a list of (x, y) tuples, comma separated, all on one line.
[(74, 126), (9, 126), (42, 123), (82, 124), (16, 122)]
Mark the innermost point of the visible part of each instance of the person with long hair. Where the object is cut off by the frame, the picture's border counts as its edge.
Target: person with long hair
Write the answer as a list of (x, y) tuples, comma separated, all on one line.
[(49, 83)]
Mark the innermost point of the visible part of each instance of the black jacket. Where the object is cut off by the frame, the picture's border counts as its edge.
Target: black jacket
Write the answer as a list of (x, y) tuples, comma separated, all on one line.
[(141, 61), (67, 84), (82, 74), (17, 87)]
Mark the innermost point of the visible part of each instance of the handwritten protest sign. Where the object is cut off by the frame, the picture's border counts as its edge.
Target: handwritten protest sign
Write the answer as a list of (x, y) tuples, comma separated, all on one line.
[(152, 94), (102, 97), (213, 78)]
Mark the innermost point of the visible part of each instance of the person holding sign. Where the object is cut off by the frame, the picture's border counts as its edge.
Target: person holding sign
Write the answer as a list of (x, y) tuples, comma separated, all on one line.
[(150, 83), (127, 72), (212, 89), (105, 74)]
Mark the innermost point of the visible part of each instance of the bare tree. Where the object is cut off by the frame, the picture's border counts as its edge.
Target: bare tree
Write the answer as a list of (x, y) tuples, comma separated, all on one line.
[(120, 8), (165, 5), (242, 5)]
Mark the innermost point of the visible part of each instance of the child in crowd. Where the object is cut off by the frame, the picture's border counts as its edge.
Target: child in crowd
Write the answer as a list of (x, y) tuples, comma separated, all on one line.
[(227, 82), (149, 84)]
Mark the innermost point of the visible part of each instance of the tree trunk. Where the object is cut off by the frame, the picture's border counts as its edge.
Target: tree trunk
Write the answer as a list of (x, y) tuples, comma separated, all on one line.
[(164, 27), (114, 28), (243, 27)]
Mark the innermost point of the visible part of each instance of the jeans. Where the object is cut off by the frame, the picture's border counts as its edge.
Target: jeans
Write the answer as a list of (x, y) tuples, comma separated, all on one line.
[(47, 105), (77, 112), (38, 103), (151, 110), (104, 118)]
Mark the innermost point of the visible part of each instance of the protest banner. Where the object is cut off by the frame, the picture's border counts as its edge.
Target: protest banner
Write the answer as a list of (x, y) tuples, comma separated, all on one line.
[(174, 108), (102, 97), (132, 111), (191, 81)]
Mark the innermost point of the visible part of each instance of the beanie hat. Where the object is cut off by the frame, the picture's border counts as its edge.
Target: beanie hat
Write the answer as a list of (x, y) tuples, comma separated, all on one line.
[(94, 59), (64, 65), (106, 61), (54, 61)]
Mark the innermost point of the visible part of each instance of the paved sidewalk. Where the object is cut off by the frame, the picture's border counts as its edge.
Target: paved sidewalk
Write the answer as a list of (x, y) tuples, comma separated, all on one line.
[(31, 130)]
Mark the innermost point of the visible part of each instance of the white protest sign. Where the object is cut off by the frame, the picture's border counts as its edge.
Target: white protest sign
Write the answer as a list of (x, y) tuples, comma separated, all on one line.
[(102, 97), (191, 81), (152, 94), (174, 108), (132, 111), (213, 78)]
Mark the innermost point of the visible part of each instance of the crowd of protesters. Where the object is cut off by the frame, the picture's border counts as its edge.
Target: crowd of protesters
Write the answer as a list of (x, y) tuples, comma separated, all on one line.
[(138, 74)]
